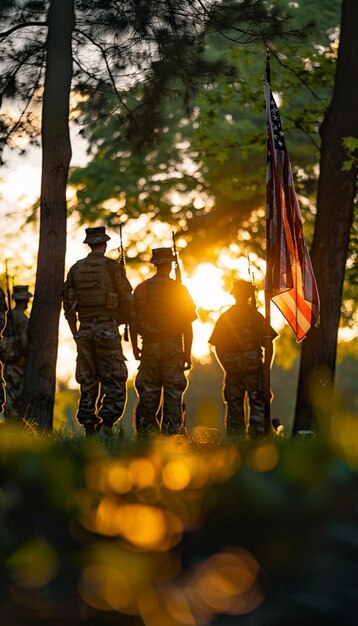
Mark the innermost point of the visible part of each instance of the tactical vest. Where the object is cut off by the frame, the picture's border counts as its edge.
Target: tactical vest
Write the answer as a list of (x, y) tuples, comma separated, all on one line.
[(93, 287), (159, 313)]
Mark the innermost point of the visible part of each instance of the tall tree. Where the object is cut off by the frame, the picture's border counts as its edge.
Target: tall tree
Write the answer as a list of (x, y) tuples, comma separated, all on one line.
[(40, 377), (335, 204)]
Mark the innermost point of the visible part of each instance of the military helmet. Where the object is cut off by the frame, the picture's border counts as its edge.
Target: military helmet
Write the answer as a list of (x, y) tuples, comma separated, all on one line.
[(242, 288), (96, 235), (21, 292), (161, 256)]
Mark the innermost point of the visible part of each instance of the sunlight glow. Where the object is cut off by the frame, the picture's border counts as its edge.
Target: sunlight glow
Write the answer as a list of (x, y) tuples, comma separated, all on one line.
[(23, 194), (206, 287), (209, 285)]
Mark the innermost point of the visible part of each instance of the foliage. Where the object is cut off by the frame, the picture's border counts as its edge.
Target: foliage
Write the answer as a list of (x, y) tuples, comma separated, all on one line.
[(214, 157), (349, 304), (173, 531), (117, 46)]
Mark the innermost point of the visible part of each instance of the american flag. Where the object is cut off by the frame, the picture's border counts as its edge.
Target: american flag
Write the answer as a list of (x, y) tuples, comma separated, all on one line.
[(290, 279)]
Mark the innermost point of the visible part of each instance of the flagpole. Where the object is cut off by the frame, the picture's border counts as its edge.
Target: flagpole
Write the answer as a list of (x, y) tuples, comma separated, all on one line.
[(268, 294), (290, 281), (267, 362)]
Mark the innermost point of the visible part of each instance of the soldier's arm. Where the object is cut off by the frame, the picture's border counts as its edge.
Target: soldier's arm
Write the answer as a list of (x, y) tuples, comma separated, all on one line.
[(133, 327), (188, 341), (123, 290), (69, 303), (220, 356), (133, 331), (3, 309), (189, 315), (269, 341), (219, 339)]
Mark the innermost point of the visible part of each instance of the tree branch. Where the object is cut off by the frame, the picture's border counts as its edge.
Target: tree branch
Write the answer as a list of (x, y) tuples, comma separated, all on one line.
[(18, 26), (111, 77), (15, 126), (297, 74)]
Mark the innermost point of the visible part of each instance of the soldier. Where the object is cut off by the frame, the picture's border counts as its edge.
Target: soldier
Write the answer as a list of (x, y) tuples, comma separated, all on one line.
[(3, 309), (14, 350), (164, 314), (98, 294), (238, 336)]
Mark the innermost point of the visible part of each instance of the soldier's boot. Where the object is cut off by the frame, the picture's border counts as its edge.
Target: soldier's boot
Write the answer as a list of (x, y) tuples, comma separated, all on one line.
[(147, 430), (235, 428), (91, 430), (172, 429), (236, 433), (145, 426), (256, 431), (104, 430)]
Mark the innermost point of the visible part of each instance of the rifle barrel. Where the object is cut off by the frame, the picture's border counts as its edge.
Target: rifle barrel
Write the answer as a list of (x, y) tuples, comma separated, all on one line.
[(177, 269)]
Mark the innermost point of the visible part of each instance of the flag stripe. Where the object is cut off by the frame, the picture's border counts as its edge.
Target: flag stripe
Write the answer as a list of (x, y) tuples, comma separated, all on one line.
[(289, 278)]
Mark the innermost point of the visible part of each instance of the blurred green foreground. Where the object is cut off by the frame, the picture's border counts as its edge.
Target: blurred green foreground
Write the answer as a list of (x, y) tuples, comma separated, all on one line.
[(178, 532)]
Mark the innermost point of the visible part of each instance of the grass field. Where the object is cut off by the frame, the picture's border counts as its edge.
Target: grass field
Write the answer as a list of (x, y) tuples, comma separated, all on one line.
[(178, 531)]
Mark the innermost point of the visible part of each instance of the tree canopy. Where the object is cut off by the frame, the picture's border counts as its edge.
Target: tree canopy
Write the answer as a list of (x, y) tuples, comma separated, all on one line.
[(206, 169)]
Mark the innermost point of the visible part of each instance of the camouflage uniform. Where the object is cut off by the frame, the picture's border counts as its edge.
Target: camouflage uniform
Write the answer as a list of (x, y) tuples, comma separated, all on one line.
[(3, 309), (238, 336), (14, 349), (164, 312), (97, 291)]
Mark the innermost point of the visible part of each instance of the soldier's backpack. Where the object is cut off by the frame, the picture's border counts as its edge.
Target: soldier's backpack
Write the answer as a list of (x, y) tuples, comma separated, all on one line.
[(93, 287), (90, 283)]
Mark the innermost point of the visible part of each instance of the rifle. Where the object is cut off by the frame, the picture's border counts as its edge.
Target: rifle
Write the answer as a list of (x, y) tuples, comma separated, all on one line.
[(252, 280), (121, 258), (122, 263), (178, 277)]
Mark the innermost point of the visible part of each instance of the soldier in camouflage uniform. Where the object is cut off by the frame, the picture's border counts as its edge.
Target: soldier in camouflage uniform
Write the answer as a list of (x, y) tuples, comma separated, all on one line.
[(3, 309), (14, 349), (238, 337), (98, 294), (164, 314)]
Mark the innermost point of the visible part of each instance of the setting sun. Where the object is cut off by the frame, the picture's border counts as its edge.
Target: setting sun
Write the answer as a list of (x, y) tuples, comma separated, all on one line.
[(206, 286)]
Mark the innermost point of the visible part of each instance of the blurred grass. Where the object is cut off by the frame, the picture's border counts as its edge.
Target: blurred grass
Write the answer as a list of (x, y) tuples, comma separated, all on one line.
[(176, 531)]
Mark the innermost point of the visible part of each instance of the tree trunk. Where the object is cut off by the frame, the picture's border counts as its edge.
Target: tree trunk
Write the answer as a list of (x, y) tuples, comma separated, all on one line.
[(40, 374), (335, 203)]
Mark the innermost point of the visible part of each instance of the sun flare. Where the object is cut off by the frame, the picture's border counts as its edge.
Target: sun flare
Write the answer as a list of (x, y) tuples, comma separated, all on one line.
[(207, 288)]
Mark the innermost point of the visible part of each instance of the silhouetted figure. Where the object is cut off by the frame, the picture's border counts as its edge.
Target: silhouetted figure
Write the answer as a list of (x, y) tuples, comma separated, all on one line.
[(14, 350), (238, 338), (98, 294), (3, 309), (164, 316)]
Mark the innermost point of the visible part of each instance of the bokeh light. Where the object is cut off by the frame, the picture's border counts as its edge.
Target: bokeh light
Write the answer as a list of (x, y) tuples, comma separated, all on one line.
[(33, 564), (264, 458)]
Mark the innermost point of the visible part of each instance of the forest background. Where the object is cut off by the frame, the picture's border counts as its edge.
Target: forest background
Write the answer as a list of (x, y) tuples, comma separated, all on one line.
[(187, 152), (196, 530)]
